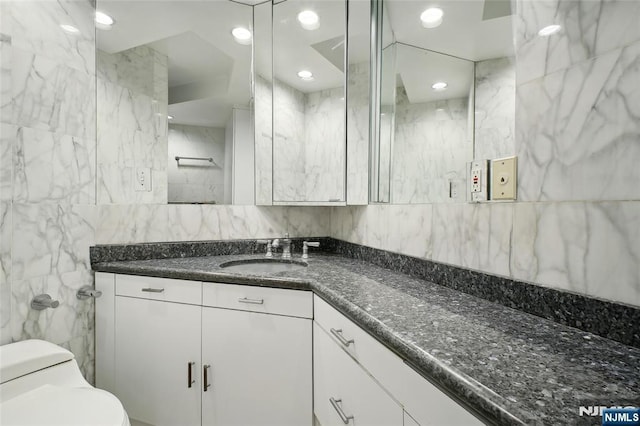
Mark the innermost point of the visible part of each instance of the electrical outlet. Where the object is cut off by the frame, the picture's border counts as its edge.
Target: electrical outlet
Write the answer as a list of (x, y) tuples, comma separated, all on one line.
[(478, 180), (142, 181), (504, 176)]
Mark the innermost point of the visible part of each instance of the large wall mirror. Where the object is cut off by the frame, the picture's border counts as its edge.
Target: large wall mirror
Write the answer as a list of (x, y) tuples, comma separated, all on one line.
[(447, 96), (174, 93), (311, 101)]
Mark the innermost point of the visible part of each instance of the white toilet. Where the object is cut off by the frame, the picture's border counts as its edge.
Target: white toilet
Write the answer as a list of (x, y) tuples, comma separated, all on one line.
[(41, 384)]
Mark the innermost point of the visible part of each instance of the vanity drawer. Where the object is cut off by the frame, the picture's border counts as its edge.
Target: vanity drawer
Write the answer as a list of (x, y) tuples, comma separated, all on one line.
[(294, 303), (165, 289), (426, 403)]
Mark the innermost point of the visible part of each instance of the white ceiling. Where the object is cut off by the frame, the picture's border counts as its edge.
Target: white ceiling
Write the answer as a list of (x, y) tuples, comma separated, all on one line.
[(196, 35), (208, 71), (445, 53), (463, 32)]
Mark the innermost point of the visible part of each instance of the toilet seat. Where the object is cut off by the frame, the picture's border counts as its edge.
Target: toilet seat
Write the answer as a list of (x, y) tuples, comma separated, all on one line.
[(64, 406)]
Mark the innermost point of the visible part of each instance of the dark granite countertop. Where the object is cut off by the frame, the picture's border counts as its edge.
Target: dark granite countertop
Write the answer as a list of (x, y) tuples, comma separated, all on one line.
[(509, 366)]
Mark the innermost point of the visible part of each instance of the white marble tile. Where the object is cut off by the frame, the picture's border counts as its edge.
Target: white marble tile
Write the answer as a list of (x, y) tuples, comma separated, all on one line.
[(577, 131), (448, 233), (8, 140), (349, 224), (6, 96), (35, 28), (589, 248), (289, 181), (5, 272), (495, 108), (358, 134), (589, 28), (262, 110), (431, 146), (53, 167), (50, 95), (324, 145), (54, 239), (194, 180), (487, 229), (130, 223)]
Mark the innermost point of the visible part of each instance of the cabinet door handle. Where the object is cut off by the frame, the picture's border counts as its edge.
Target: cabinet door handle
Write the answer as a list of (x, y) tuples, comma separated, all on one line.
[(190, 380), (252, 301), (339, 336), (205, 382), (153, 290), (345, 419)]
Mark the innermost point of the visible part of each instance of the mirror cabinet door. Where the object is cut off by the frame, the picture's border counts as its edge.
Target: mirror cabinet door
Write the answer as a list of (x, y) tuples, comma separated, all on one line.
[(446, 96), (309, 133)]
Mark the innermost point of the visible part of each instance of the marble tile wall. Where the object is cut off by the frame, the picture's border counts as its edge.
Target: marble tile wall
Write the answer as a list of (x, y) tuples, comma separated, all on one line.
[(289, 183), (263, 127), (194, 180), (324, 145), (47, 171), (575, 224), (431, 147), (138, 223), (495, 108), (132, 124), (358, 134)]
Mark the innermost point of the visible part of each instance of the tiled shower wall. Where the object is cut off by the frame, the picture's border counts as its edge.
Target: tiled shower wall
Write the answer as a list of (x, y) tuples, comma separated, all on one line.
[(576, 224)]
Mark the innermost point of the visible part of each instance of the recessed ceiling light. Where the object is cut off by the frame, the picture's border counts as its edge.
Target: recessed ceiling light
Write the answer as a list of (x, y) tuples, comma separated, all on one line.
[(441, 85), (241, 35), (69, 29), (432, 17), (170, 117), (309, 20), (305, 75), (104, 21), (549, 30)]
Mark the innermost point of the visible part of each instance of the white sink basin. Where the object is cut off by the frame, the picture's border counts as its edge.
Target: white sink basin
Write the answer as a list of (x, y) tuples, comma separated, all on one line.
[(262, 266)]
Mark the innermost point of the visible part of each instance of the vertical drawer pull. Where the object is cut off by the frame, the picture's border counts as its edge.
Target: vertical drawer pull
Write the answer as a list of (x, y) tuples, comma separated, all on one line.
[(339, 336), (252, 301), (205, 382), (345, 419), (153, 290), (190, 380)]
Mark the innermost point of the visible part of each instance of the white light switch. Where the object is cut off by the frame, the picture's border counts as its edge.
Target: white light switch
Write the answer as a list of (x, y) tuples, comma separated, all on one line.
[(504, 175), (142, 181)]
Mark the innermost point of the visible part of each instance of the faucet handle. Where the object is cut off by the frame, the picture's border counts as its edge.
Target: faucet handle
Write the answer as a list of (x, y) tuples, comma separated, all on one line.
[(268, 243), (305, 248)]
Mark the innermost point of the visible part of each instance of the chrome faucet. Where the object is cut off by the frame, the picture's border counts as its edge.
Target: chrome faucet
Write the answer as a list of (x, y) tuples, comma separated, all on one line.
[(269, 246), (286, 246), (305, 248)]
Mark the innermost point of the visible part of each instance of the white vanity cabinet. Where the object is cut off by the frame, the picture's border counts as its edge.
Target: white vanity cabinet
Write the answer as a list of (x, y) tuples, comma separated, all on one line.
[(352, 348), (344, 393), (156, 343), (157, 338), (258, 344)]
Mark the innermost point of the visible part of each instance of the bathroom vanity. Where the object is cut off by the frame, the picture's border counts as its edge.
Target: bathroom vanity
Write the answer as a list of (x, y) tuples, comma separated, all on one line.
[(342, 340)]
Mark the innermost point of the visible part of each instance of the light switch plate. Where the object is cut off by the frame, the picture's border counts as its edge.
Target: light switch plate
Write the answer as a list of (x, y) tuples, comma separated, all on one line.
[(504, 178), (142, 179)]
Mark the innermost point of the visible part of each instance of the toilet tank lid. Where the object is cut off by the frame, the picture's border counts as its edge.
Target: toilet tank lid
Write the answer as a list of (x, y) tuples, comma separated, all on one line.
[(25, 357)]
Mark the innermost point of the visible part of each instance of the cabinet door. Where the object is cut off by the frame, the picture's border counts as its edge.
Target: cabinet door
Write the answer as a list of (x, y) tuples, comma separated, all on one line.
[(344, 391), (260, 369), (154, 343)]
